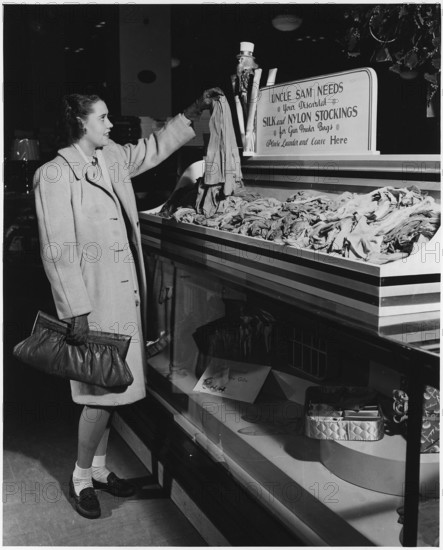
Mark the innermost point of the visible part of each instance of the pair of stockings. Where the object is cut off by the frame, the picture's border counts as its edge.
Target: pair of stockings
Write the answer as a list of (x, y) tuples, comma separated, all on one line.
[(223, 176)]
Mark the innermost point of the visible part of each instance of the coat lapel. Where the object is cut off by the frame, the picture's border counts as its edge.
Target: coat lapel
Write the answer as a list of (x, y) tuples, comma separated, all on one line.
[(79, 168), (74, 160), (82, 169)]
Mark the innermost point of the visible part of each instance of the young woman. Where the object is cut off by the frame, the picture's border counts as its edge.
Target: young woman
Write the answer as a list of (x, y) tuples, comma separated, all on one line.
[(92, 254)]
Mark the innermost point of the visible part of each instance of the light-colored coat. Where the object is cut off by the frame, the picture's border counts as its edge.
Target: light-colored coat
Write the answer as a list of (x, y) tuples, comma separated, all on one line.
[(87, 232)]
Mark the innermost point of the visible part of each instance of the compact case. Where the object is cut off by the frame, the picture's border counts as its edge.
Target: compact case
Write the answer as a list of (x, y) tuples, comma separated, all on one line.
[(343, 413)]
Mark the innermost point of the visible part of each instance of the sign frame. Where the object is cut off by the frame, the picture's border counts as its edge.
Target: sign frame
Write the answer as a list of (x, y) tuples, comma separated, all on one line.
[(371, 119)]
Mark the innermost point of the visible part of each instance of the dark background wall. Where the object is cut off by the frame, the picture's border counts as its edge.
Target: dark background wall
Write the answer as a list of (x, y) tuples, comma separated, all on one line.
[(41, 62), (145, 60), (207, 39)]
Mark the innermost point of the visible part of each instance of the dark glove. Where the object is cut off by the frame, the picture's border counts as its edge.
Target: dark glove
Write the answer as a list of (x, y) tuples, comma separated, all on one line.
[(204, 102), (78, 330)]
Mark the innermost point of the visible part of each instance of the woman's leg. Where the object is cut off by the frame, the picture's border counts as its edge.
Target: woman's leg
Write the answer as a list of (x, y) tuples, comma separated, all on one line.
[(92, 426), (103, 444), (99, 470), (93, 423)]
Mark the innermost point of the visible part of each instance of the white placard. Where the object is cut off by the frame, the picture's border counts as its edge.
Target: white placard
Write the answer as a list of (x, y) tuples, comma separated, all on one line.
[(232, 379), (329, 114)]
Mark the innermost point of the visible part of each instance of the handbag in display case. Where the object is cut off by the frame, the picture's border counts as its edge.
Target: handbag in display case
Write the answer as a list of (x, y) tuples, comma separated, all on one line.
[(343, 413)]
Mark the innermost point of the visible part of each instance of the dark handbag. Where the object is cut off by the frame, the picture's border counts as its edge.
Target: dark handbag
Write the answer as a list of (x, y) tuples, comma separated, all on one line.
[(101, 361)]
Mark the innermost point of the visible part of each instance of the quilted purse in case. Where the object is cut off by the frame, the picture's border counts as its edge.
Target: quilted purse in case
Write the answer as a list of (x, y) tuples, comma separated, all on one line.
[(343, 413), (100, 362)]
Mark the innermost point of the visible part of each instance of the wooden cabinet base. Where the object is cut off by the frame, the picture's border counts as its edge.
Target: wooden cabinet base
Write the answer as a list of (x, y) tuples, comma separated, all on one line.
[(211, 499)]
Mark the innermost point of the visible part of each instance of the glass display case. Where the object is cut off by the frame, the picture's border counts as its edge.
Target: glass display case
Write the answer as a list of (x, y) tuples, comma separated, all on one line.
[(213, 330), (312, 382)]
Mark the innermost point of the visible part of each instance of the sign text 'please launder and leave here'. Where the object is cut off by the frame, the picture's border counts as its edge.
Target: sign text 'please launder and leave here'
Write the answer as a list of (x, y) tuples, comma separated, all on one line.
[(324, 115)]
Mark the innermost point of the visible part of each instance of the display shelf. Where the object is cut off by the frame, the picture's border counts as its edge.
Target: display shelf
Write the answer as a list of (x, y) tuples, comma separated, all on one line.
[(285, 466), (399, 299), (378, 465)]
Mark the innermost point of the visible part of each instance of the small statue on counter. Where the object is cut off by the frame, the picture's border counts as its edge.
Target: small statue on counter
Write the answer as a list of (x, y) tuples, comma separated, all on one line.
[(245, 85), (245, 74)]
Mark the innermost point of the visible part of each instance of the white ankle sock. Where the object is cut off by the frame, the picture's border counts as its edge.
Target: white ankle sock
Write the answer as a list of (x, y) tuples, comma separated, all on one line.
[(82, 478), (99, 470)]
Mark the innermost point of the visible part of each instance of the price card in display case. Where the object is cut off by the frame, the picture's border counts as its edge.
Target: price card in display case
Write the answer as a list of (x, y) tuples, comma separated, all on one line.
[(325, 115), (232, 379)]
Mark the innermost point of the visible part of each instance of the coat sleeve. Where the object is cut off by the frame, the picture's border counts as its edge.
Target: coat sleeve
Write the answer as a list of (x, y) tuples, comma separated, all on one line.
[(58, 246), (151, 151)]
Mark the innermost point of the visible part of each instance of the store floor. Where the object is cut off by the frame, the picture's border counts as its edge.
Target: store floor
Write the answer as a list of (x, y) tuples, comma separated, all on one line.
[(39, 453)]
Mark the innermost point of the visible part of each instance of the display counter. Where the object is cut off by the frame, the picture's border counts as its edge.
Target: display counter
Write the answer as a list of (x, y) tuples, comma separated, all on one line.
[(223, 307), (400, 298)]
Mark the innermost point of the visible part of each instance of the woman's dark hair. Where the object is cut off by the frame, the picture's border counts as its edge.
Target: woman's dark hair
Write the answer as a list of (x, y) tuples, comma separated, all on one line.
[(74, 106)]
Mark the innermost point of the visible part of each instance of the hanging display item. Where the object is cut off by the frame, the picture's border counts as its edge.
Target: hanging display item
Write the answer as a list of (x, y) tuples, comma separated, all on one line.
[(223, 176)]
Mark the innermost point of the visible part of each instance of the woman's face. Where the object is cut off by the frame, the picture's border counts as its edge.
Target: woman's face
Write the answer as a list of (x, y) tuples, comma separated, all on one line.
[(97, 125)]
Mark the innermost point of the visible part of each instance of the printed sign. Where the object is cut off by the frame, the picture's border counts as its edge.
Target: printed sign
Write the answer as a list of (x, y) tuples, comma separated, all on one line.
[(225, 378), (329, 114)]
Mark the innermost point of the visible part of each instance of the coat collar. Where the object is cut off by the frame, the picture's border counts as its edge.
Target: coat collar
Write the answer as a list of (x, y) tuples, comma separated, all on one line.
[(74, 160), (77, 164)]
